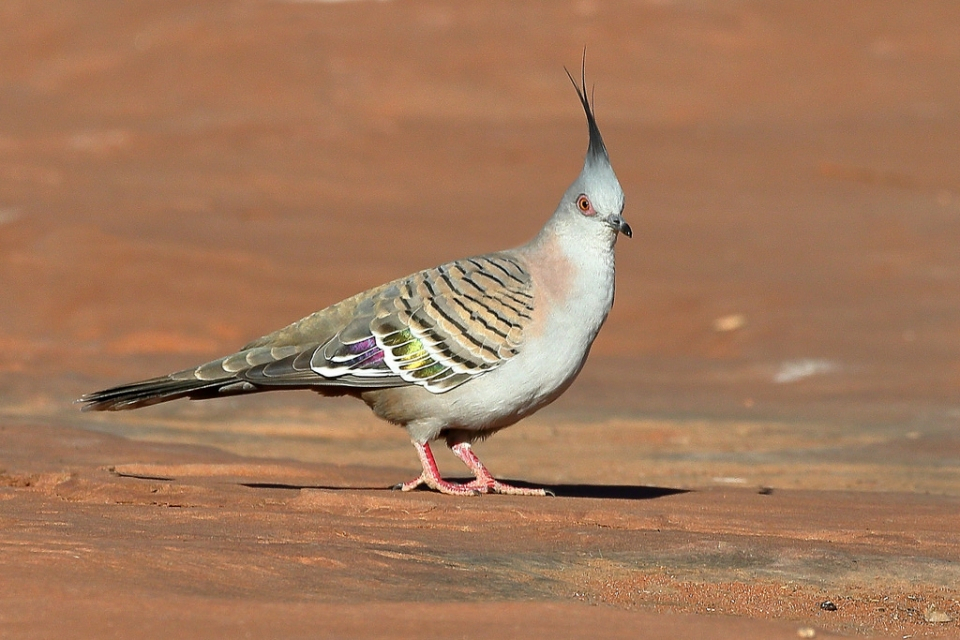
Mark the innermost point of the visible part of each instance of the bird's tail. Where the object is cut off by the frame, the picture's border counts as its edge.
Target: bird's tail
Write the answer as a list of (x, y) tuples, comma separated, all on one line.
[(183, 384), (253, 369)]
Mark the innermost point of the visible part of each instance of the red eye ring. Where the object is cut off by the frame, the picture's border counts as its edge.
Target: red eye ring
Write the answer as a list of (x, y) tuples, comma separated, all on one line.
[(583, 203)]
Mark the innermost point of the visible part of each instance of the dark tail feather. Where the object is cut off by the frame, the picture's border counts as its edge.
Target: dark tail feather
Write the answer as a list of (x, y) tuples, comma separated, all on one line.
[(156, 390)]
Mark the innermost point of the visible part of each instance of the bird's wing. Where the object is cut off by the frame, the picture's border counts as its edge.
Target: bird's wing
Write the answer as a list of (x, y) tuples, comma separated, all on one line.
[(437, 328)]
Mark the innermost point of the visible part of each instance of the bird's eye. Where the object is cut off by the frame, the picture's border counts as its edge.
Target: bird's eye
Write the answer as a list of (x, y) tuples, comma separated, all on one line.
[(583, 203)]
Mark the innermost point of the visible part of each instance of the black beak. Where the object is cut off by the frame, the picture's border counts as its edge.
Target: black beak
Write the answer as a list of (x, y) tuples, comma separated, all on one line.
[(625, 228)]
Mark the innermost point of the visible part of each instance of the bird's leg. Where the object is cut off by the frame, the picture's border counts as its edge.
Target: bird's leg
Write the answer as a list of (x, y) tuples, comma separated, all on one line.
[(431, 476), (485, 481)]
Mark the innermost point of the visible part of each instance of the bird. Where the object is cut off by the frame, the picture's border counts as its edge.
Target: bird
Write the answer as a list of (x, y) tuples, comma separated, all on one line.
[(454, 353)]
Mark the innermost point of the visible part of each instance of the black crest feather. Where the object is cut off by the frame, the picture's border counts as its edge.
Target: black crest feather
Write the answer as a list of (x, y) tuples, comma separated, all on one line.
[(596, 149)]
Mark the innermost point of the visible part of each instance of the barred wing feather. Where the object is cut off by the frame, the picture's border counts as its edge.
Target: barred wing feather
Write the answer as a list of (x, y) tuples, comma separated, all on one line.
[(437, 328)]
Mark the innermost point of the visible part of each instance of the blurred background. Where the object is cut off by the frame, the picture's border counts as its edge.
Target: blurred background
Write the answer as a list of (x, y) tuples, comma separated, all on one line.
[(179, 178)]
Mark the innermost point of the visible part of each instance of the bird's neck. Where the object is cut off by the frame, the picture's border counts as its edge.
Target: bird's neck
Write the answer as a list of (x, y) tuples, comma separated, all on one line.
[(576, 269)]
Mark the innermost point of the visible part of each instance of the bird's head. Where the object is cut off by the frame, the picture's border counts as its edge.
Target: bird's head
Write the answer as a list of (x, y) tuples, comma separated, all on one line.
[(594, 202)]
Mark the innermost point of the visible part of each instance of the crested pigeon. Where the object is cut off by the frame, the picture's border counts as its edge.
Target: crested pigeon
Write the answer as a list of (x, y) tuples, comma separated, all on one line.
[(456, 352)]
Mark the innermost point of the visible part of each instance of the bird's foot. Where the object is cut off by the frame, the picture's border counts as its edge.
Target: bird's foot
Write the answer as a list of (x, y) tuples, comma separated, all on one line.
[(431, 476), (441, 485), (472, 488), (484, 482), (492, 485)]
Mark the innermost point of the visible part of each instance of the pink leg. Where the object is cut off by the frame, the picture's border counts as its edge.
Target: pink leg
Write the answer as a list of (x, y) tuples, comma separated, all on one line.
[(431, 476), (485, 481)]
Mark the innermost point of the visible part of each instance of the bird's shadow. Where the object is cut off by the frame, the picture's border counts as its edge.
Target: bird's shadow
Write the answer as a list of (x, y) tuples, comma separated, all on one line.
[(604, 491)]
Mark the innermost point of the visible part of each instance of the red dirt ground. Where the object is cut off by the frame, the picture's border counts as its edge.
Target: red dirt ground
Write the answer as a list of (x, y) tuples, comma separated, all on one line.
[(768, 421)]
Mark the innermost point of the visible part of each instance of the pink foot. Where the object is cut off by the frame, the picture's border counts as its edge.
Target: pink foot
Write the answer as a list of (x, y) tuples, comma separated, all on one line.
[(485, 482), (441, 485), (431, 476), (495, 486)]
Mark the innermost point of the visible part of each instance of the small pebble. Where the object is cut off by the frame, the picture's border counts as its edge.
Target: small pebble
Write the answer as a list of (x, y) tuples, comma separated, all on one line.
[(729, 323), (806, 632), (932, 615), (827, 605)]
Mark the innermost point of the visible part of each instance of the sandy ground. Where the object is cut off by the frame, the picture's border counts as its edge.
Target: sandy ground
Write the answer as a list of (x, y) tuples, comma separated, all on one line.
[(768, 421)]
